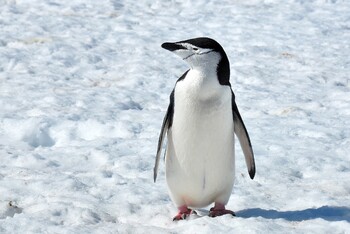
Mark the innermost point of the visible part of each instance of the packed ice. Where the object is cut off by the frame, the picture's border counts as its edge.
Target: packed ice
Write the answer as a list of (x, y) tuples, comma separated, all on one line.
[(84, 86)]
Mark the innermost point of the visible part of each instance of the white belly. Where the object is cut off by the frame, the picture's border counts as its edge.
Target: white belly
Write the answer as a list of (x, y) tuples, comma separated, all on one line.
[(200, 158)]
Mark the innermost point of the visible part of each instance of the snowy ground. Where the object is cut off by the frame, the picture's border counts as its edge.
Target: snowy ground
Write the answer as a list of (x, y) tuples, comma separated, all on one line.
[(84, 86)]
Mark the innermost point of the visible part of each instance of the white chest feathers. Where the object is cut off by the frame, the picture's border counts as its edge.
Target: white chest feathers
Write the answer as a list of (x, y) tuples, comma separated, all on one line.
[(200, 152)]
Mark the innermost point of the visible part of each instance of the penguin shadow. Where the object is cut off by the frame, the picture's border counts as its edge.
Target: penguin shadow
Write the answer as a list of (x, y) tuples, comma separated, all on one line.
[(329, 213)]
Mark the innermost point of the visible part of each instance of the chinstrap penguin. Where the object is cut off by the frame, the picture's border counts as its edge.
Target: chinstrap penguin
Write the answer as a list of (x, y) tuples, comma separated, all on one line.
[(200, 123)]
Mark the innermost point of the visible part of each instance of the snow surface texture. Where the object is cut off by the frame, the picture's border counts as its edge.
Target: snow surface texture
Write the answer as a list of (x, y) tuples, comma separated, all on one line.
[(84, 86)]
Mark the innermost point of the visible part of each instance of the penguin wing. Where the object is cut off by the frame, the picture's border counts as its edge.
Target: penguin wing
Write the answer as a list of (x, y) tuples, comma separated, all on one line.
[(167, 122), (243, 137), (163, 131)]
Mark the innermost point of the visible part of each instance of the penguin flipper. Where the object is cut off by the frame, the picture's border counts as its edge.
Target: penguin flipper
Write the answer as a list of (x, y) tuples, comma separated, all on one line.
[(244, 140), (163, 131)]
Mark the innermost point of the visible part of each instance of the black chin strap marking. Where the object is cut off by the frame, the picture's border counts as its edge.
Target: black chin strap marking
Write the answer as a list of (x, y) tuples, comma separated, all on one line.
[(189, 56), (198, 54)]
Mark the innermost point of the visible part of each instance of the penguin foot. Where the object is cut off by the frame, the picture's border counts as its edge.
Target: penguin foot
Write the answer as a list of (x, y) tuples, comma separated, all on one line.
[(219, 210), (184, 212), (214, 213)]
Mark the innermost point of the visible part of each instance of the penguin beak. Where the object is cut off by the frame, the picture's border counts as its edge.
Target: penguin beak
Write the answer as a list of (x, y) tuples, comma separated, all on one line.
[(173, 46)]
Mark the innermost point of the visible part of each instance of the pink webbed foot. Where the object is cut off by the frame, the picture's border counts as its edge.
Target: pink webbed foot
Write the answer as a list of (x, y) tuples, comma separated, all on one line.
[(219, 210), (184, 212)]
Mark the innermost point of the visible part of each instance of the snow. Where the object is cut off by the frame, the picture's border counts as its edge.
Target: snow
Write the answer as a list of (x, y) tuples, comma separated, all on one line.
[(84, 86)]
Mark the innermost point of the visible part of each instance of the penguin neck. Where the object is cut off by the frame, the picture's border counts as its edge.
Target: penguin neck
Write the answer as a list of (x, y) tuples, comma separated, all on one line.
[(206, 75), (203, 82), (205, 69)]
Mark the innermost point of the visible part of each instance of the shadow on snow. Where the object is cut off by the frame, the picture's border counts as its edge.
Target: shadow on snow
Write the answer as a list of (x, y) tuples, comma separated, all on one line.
[(330, 213)]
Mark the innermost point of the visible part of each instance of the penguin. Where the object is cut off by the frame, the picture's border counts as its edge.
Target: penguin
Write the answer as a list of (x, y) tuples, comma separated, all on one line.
[(200, 124)]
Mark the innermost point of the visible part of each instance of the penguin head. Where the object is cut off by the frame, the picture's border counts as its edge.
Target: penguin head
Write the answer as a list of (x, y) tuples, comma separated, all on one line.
[(202, 52)]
